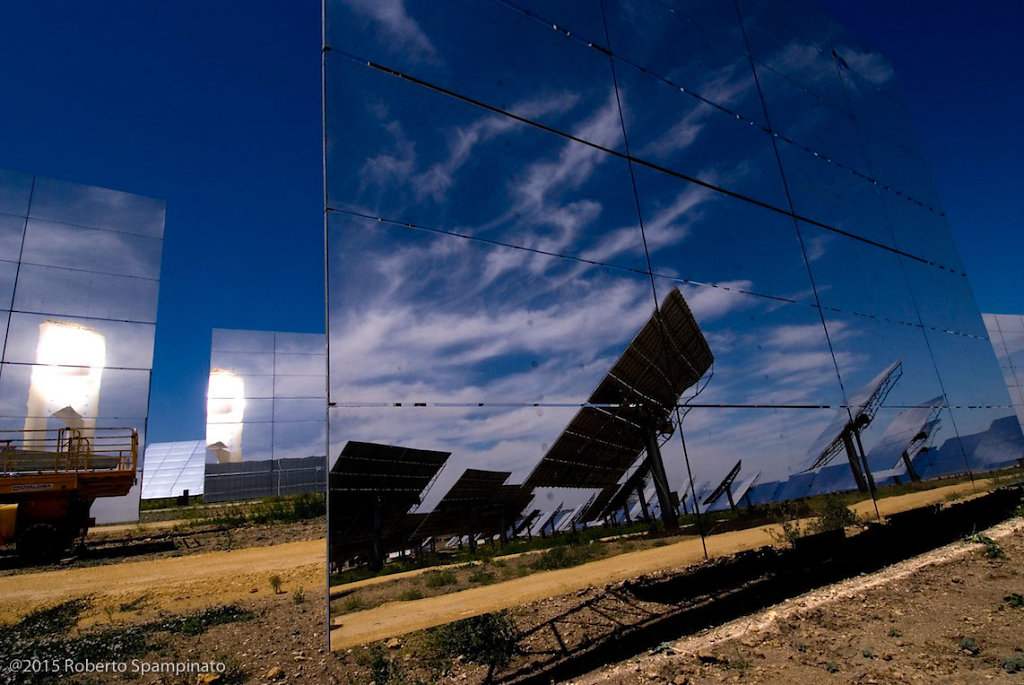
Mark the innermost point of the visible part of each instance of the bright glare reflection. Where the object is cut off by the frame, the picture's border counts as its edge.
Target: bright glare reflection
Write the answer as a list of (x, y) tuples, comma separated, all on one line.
[(225, 411), (69, 366)]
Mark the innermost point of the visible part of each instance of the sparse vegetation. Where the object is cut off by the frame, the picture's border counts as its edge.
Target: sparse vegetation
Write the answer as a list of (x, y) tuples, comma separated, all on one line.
[(969, 645), (992, 548), (410, 595), (482, 577), (868, 653), (565, 556), (786, 515), (375, 660), (298, 595), (490, 639), (1015, 664), (47, 635), (740, 664), (198, 622), (895, 632), (436, 579), (134, 604), (353, 603), (1014, 599), (282, 509), (832, 667), (833, 514), (275, 583)]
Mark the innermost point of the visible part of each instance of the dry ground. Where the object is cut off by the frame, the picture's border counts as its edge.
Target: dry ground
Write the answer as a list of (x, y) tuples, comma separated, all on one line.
[(285, 640), (396, 618), (941, 617)]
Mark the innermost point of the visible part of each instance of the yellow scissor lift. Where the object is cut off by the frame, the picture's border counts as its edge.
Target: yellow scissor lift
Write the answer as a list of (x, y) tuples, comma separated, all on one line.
[(50, 478)]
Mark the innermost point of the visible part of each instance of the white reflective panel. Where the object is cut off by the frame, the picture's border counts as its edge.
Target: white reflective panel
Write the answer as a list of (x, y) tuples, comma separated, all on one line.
[(231, 340), (127, 345), (546, 76), (1006, 333), (697, 46), (243, 363), (88, 249), (257, 441), (170, 468), (854, 277), (985, 439), (969, 371), (944, 299), (302, 386), (65, 292), (697, 234), (5, 319), (831, 195), (40, 391), (12, 228), (259, 410), (863, 347), (421, 317), (300, 364), (300, 343), (8, 274), (82, 205), (117, 509), (771, 440), (15, 191), (305, 409), (300, 439)]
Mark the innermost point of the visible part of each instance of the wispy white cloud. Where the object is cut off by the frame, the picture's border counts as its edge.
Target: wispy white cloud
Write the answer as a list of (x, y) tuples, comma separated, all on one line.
[(868, 64), (396, 25)]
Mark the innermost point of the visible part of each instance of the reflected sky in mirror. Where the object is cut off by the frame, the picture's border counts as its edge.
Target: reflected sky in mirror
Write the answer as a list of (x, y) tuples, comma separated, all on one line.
[(266, 396), (499, 240)]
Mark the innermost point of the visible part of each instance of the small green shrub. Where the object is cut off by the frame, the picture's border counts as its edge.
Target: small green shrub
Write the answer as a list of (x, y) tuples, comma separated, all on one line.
[(55, 620), (833, 515), (969, 644), (992, 548), (564, 556), (298, 596), (136, 603), (275, 583), (832, 667), (381, 668), (410, 595), (1015, 599), (482, 577), (436, 579), (353, 603), (895, 632), (786, 515), (491, 640), (198, 622), (1015, 664), (738, 664)]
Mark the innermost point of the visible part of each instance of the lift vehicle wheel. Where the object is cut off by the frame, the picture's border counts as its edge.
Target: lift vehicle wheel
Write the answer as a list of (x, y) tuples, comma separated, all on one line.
[(40, 542)]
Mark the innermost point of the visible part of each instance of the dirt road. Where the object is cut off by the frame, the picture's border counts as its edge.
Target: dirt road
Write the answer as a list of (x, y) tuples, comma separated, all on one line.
[(199, 580), (396, 618), (173, 584)]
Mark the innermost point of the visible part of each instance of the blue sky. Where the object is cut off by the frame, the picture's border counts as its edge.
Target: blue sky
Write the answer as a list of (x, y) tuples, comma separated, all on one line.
[(217, 111), (484, 245)]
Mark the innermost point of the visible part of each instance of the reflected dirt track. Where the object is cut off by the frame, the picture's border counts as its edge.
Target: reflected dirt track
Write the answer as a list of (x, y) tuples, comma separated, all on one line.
[(396, 618)]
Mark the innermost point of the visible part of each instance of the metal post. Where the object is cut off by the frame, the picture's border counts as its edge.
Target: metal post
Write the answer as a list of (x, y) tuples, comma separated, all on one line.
[(851, 454), (668, 512), (914, 478), (643, 503)]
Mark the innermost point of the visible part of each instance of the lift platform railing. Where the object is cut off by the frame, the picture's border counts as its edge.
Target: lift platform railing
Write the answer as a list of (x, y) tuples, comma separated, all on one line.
[(69, 450)]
